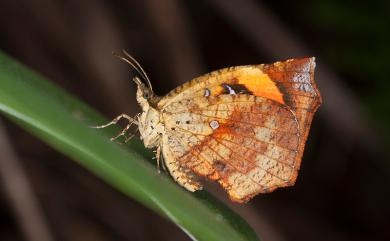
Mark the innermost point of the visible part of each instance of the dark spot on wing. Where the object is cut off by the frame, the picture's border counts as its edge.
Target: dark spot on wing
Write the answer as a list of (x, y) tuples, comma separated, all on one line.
[(232, 89), (219, 166), (286, 96)]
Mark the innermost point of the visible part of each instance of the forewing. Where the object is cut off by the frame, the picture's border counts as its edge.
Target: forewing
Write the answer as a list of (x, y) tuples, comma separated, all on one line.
[(248, 144), (290, 82), (248, 79)]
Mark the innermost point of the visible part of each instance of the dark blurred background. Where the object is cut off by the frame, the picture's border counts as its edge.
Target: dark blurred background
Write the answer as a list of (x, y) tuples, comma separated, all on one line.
[(342, 192)]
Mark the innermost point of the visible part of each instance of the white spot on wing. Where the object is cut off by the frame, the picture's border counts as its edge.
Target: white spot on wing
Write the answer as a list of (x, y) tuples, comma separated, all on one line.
[(231, 91), (207, 92), (214, 124)]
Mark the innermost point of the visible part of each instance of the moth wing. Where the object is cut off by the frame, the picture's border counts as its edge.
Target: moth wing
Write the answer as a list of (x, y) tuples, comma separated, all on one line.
[(248, 144), (248, 79), (290, 83), (285, 91), (295, 80)]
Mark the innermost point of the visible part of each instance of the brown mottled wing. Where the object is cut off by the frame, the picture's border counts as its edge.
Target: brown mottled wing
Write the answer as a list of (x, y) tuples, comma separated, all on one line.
[(246, 157), (295, 80), (248, 144)]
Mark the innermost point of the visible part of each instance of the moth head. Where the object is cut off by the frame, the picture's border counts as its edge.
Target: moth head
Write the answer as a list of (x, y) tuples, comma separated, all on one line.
[(144, 91)]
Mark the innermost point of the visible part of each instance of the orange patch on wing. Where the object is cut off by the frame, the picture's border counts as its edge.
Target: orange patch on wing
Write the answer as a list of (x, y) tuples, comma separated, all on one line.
[(260, 84)]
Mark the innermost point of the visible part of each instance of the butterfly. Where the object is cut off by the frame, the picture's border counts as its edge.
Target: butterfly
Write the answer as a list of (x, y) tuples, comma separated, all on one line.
[(244, 127)]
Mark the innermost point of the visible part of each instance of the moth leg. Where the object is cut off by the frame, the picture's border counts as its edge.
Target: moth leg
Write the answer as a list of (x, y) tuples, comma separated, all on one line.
[(129, 138), (116, 119), (123, 133), (158, 156)]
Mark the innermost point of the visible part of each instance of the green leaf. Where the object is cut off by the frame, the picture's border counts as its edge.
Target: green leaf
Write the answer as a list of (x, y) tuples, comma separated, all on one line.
[(63, 122)]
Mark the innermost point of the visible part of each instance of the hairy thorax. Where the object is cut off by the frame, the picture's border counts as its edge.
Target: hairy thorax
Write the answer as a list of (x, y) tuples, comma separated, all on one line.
[(151, 128)]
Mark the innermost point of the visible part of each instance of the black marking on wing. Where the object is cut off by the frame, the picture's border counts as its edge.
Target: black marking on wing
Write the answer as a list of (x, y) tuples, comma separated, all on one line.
[(235, 89), (285, 94)]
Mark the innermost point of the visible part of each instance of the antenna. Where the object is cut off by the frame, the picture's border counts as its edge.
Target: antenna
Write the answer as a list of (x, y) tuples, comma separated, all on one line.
[(134, 63)]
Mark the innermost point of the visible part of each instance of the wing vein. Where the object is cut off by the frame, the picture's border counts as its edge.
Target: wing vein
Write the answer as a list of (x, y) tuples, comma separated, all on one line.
[(268, 143), (266, 170), (227, 163), (240, 122)]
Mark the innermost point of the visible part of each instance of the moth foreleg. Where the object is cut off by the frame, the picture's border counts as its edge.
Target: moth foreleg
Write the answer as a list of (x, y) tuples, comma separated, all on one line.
[(158, 157), (123, 132), (116, 119)]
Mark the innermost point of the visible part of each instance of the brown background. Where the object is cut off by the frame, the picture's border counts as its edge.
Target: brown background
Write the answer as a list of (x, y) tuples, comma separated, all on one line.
[(342, 192)]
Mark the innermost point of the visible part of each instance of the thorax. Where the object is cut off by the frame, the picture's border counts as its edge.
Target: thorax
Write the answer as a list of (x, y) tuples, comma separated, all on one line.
[(151, 127)]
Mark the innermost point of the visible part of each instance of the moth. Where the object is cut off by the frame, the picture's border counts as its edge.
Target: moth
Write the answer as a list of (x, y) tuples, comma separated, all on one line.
[(244, 127)]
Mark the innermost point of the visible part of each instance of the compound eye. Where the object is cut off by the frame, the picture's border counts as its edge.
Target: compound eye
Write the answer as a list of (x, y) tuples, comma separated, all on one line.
[(146, 95)]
